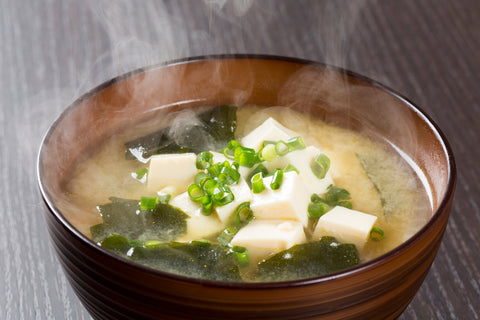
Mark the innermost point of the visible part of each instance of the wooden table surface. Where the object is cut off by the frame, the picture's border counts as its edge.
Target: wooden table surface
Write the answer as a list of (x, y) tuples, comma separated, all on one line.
[(52, 51)]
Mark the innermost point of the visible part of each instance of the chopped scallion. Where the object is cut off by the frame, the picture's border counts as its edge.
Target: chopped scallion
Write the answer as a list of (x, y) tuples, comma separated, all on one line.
[(164, 198), (317, 209), (227, 235), (346, 204), (257, 183), (210, 185), (207, 205), (152, 244), (229, 176), (140, 173), (296, 143), (276, 179), (148, 203), (241, 254), (204, 160), (290, 167), (267, 153), (243, 213), (195, 192), (222, 196), (335, 194), (377, 234), (246, 156), (267, 142), (201, 178), (281, 148), (320, 166)]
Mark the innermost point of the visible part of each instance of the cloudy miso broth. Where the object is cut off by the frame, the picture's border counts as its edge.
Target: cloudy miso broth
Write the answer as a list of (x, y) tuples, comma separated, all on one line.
[(379, 182)]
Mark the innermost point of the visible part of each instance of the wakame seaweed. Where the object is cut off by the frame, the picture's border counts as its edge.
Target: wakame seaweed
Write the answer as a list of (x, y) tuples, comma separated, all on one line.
[(199, 259), (215, 128), (124, 217), (309, 260)]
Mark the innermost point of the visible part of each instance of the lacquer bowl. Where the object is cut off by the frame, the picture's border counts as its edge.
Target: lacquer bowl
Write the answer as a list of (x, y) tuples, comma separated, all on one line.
[(111, 287)]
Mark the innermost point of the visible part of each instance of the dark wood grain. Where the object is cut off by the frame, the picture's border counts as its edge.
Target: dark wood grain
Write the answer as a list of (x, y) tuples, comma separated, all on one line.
[(52, 51)]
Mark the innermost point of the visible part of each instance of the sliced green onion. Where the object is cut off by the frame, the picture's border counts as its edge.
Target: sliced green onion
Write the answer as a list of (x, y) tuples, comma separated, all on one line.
[(229, 176), (289, 168), (210, 185), (152, 244), (200, 242), (315, 198), (267, 153), (232, 144), (140, 173), (241, 254), (377, 234), (201, 178), (243, 213), (296, 143), (215, 169), (246, 156), (235, 165), (276, 179), (346, 204), (229, 151), (267, 142), (227, 235), (222, 196), (335, 194), (204, 160), (317, 209), (281, 148), (207, 205), (148, 203), (257, 183), (195, 192), (320, 166), (260, 168), (164, 198)]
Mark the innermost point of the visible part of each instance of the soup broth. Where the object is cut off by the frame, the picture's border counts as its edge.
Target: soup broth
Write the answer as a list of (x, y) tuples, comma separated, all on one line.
[(379, 181)]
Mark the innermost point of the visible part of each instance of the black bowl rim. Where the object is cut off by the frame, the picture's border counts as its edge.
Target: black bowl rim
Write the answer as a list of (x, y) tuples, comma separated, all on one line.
[(442, 207)]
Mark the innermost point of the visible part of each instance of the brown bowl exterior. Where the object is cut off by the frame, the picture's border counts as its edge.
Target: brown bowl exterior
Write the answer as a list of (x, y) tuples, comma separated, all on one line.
[(111, 287)]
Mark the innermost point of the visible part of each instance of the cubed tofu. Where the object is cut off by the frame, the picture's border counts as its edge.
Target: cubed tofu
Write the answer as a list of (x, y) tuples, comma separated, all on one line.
[(346, 225), (174, 170), (270, 129), (199, 226), (302, 159), (289, 202), (263, 238), (241, 193)]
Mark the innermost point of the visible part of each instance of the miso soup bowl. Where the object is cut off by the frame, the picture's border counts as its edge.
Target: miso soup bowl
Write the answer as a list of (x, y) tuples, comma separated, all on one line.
[(111, 287)]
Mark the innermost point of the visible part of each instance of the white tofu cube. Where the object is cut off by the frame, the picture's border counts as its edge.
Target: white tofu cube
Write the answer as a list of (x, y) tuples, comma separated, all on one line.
[(174, 170), (199, 226), (289, 202), (263, 238), (302, 159), (346, 225), (241, 193), (270, 129)]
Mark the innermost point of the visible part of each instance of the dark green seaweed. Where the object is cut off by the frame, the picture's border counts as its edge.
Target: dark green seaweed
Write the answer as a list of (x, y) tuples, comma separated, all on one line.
[(198, 259), (215, 128), (309, 260), (124, 217)]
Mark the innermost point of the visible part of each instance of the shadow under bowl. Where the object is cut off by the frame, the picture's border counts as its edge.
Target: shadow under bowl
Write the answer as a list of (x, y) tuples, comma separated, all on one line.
[(111, 287)]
